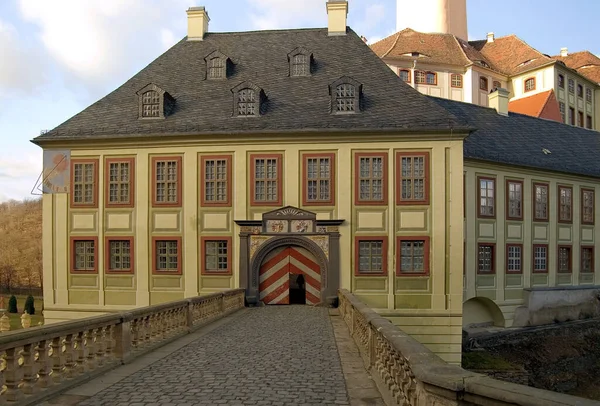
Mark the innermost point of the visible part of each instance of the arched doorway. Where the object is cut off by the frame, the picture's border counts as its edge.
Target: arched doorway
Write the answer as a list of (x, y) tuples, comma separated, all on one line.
[(290, 275)]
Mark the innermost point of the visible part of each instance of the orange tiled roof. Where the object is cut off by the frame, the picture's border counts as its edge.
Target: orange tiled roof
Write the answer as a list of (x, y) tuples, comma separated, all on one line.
[(511, 55), (541, 105), (433, 47), (584, 62)]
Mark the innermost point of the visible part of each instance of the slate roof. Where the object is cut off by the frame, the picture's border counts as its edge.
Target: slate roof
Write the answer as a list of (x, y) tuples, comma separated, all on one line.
[(519, 140), (541, 105), (294, 104)]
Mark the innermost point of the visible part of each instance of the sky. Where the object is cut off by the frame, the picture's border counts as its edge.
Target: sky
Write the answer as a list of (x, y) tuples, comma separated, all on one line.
[(59, 56)]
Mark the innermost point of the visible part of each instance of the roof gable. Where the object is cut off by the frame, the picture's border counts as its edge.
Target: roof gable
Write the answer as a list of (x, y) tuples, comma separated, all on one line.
[(293, 104), (541, 105)]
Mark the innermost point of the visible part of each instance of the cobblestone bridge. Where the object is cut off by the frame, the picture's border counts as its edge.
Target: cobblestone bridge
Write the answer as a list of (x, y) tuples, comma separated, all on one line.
[(290, 355)]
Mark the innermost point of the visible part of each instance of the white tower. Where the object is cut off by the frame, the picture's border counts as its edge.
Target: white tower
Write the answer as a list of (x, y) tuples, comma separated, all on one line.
[(443, 16)]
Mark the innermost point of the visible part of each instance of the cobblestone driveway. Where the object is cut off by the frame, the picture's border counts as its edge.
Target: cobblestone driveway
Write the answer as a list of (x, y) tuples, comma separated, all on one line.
[(271, 356)]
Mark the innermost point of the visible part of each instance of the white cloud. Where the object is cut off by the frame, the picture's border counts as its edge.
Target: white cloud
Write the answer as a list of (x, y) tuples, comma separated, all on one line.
[(18, 173), (19, 70), (97, 40), (275, 14)]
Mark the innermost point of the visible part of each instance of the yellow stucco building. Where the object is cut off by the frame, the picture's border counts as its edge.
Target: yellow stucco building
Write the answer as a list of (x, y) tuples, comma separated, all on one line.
[(293, 163)]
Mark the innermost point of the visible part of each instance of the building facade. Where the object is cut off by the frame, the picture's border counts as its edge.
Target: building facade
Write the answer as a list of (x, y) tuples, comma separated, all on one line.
[(213, 169)]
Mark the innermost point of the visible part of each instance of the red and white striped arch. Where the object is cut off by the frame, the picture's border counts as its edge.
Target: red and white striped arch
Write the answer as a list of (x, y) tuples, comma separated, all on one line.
[(275, 275)]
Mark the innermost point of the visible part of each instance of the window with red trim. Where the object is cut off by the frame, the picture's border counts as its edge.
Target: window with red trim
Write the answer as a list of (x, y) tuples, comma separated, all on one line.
[(483, 83), (267, 179), (167, 180), (404, 75), (456, 80), (215, 175), (318, 179), (486, 197), (565, 204), (413, 178), (84, 183), (119, 182), (529, 84), (371, 178)]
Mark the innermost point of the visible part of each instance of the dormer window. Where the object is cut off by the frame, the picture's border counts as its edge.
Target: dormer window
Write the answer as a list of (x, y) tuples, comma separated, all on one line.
[(247, 100), (345, 96), (300, 62), (151, 104), (217, 66), (154, 103)]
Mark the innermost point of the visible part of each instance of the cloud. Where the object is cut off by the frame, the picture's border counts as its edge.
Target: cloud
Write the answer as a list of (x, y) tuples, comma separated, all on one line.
[(97, 40), (18, 174), (275, 14), (19, 71)]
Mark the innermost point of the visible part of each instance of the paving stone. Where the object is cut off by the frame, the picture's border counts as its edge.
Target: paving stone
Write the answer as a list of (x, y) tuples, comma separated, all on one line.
[(274, 355)]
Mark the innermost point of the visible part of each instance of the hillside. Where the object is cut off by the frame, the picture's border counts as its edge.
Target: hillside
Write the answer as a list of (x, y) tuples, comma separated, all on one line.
[(20, 244)]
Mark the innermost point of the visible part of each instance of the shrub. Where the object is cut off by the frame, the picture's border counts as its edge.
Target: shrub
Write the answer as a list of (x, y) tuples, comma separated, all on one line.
[(29, 305), (12, 305)]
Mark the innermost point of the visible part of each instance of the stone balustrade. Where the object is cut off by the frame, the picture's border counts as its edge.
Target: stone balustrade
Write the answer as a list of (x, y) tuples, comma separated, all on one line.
[(39, 362), (407, 373)]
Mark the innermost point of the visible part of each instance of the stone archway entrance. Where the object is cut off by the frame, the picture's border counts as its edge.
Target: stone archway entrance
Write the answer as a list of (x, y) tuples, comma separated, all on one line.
[(265, 257), (290, 275)]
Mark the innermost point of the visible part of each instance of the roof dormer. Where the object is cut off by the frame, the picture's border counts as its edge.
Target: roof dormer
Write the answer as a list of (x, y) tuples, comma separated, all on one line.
[(300, 61), (247, 100), (154, 103), (345, 96), (218, 66)]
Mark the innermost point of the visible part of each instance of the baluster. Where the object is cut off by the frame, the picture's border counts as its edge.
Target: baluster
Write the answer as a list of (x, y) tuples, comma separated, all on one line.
[(147, 329), (29, 369), (134, 334), (110, 346), (59, 359), (90, 344), (44, 364), (12, 375), (100, 346), (2, 376), (80, 353)]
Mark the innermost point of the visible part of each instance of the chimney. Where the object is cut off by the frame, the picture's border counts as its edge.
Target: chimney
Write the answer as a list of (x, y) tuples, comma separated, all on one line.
[(197, 23), (337, 13), (498, 99), (490, 37), (564, 52)]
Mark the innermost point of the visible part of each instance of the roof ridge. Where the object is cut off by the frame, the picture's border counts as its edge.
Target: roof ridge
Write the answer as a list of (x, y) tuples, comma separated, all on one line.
[(393, 45), (461, 48), (548, 94)]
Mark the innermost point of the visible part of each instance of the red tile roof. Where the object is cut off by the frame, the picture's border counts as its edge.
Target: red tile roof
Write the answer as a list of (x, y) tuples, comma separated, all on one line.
[(584, 62), (541, 105), (511, 55)]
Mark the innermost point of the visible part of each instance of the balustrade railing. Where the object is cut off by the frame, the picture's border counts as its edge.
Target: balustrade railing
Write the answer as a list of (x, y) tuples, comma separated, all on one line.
[(407, 373), (40, 362)]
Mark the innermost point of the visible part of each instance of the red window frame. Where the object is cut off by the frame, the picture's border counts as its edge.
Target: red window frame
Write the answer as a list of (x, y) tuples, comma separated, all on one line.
[(94, 203), (384, 247), (525, 83), (179, 255), (210, 203), (460, 80), (507, 205), (408, 80), (404, 154), (560, 219), (534, 202), (108, 270), (154, 160), (583, 191), (426, 256), (487, 178), (131, 162), (279, 201), (331, 200), (72, 254), (203, 241), (384, 179)]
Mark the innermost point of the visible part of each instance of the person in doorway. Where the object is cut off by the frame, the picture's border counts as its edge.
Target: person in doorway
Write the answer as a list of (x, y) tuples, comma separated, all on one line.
[(300, 281)]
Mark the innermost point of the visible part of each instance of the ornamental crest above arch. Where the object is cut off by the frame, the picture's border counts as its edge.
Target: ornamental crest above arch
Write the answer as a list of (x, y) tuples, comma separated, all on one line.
[(289, 219)]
